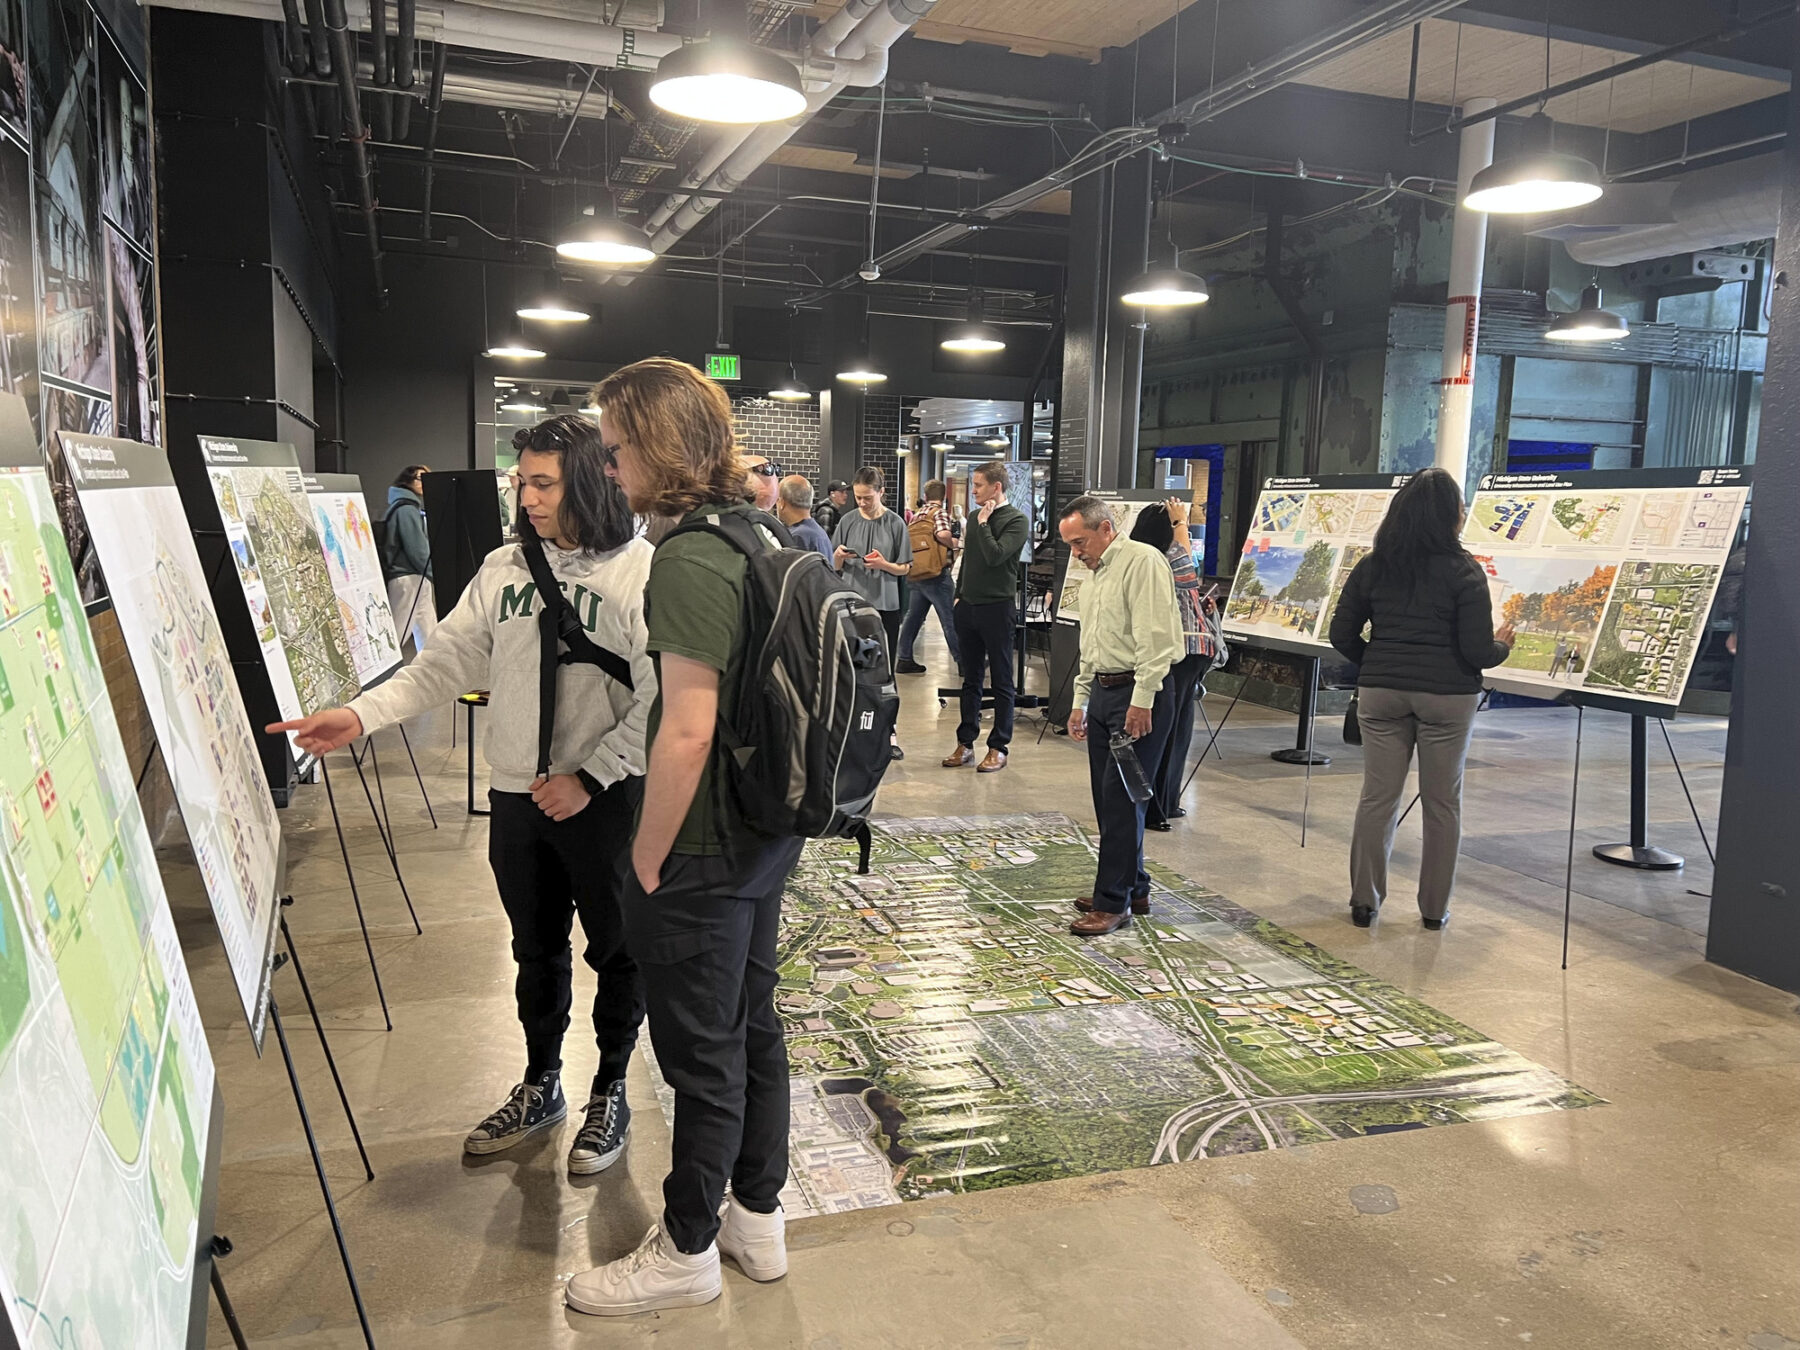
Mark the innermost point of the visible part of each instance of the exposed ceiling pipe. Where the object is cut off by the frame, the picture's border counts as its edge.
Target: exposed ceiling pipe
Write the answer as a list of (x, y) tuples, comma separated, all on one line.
[(1708, 208), (315, 32), (356, 134), (296, 37), (378, 44), (406, 35), (433, 106)]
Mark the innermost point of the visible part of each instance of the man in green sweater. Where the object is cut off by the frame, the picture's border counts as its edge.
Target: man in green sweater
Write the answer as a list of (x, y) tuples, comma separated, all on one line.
[(985, 590)]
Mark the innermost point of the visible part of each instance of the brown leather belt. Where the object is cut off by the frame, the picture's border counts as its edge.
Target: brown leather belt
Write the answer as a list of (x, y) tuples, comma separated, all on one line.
[(1115, 681)]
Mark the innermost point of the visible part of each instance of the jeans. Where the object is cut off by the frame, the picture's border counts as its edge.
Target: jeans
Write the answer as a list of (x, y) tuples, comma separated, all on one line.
[(985, 634), (706, 942), (1119, 876), (1184, 681), (548, 871), (939, 593), (1394, 721)]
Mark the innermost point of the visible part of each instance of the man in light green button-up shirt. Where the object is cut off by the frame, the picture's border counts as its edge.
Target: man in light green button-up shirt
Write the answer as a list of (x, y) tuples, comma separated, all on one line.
[(1130, 636)]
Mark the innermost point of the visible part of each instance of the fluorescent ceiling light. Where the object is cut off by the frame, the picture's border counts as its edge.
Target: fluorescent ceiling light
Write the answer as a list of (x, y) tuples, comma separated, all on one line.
[(606, 239), (550, 310), (1166, 288), (521, 406), (723, 81), (1589, 323), (943, 445), (997, 442), (1530, 184)]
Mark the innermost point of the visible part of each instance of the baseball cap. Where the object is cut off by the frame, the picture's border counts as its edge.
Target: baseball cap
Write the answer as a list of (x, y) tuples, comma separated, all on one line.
[(837, 485)]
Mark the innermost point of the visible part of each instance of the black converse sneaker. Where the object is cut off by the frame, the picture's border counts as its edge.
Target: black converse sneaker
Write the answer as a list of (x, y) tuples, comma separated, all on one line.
[(532, 1107), (601, 1138)]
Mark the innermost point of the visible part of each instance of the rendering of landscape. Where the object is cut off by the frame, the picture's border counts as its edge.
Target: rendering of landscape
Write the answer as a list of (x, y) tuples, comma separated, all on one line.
[(947, 1033)]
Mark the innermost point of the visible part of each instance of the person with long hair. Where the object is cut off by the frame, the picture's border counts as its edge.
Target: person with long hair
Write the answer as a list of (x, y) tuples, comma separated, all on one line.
[(555, 840), (1164, 526), (702, 893), (1430, 622)]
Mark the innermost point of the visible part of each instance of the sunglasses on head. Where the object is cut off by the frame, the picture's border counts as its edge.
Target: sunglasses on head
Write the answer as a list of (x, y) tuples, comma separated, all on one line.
[(765, 470)]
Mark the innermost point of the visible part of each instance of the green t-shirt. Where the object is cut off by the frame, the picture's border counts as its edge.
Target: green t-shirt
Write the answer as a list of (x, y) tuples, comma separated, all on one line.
[(693, 607)]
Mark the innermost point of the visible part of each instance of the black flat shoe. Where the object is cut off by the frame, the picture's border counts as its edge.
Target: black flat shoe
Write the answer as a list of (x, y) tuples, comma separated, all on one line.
[(1161, 826), (895, 752), (1178, 813), (905, 667), (1435, 925), (1361, 916)]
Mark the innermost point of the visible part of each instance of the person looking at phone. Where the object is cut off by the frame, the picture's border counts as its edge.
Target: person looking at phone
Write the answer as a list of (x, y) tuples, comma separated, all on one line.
[(872, 550)]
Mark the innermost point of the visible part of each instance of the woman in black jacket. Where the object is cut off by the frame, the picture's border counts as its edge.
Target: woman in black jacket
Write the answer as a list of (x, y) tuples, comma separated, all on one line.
[(1431, 628)]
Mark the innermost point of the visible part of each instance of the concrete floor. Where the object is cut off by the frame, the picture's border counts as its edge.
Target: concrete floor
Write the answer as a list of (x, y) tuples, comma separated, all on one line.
[(1665, 1219)]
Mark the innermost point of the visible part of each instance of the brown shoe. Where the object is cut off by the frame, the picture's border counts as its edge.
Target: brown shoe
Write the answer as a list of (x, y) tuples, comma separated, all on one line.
[(1138, 906), (993, 762), (1098, 923), (963, 754)]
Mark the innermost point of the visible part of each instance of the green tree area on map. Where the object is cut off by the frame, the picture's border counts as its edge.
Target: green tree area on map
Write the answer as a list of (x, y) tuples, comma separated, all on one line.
[(1562, 620), (1648, 636), (300, 592), (174, 1153)]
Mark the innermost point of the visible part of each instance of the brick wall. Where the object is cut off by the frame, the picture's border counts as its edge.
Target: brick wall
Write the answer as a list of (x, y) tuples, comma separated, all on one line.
[(881, 441), (787, 433)]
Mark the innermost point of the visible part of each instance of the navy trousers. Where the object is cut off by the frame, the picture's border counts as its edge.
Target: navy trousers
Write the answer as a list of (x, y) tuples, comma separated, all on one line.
[(1120, 876)]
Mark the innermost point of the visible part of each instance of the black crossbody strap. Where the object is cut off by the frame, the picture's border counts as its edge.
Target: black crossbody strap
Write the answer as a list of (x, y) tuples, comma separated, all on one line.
[(557, 623)]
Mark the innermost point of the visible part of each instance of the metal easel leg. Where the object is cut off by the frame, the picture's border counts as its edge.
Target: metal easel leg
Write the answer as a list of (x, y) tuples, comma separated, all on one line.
[(1668, 741), (1569, 872), (387, 842), (419, 777), (1212, 739), (221, 1246), (1306, 796), (355, 896), (325, 1045)]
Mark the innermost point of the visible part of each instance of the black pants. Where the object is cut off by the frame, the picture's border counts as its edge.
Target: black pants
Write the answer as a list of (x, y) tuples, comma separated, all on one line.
[(985, 634), (548, 871), (1120, 876), (890, 620), (1184, 684), (706, 942)]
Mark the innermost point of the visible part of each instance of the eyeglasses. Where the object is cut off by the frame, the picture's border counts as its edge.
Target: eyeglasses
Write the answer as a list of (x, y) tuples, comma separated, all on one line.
[(764, 470)]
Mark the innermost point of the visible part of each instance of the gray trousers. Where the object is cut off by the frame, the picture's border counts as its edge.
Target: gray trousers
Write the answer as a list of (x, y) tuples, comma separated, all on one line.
[(1394, 721)]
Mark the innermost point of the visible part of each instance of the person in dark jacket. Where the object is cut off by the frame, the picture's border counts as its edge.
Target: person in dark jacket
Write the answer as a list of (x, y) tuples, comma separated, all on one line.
[(406, 559), (1430, 618)]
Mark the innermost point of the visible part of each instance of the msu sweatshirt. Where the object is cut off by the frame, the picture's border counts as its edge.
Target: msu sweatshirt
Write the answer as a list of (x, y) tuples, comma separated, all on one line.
[(490, 641)]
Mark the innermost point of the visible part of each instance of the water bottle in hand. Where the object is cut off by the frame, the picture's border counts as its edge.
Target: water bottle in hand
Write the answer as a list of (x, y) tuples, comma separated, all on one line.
[(1131, 769)]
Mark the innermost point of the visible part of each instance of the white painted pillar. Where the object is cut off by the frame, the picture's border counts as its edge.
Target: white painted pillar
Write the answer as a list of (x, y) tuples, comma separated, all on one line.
[(1462, 313)]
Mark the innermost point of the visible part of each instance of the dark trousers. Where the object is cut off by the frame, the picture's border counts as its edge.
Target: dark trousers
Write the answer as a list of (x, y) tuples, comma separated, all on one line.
[(706, 942), (549, 871), (935, 593), (890, 622), (985, 634), (1120, 876), (1184, 685)]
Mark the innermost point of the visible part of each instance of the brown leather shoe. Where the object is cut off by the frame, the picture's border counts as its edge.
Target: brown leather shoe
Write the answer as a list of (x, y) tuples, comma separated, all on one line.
[(1098, 923), (1138, 906), (963, 754), (992, 762)]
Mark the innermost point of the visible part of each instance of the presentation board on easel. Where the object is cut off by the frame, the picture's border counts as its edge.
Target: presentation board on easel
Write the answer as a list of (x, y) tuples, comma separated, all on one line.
[(171, 632), (348, 541), (106, 1081), (1304, 540), (281, 570), (1608, 576)]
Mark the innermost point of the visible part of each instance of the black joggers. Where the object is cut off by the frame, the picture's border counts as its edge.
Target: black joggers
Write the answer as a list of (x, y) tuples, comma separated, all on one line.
[(548, 871), (706, 940)]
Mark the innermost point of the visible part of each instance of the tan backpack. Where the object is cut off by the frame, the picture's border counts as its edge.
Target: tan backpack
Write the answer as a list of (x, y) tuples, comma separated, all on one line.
[(929, 556)]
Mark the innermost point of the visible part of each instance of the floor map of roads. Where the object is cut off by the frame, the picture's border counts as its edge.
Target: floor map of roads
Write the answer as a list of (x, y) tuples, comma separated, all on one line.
[(1308, 535), (1607, 577), (947, 1033), (349, 546), (105, 1076), (281, 563), (191, 692)]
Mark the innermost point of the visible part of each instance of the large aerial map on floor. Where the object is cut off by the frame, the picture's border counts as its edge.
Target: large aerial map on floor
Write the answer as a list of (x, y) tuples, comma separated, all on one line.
[(1305, 538), (348, 541), (281, 565), (1608, 577), (105, 1077), (184, 671), (946, 1032)]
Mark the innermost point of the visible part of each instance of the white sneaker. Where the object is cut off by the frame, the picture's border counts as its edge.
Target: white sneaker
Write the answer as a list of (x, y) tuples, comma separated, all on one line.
[(652, 1277), (757, 1242)]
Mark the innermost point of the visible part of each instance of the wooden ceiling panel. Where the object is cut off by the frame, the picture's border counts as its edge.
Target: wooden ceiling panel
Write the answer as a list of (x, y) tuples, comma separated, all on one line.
[(1078, 28), (831, 161), (1460, 61)]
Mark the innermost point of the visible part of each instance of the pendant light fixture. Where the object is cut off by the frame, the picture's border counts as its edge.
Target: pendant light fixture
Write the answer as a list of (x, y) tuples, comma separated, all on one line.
[(1171, 287), (943, 445), (1543, 180), (975, 336), (791, 390), (598, 235), (553, 309), (511, 344), (726, 78), (1588, 323), (860, 368)]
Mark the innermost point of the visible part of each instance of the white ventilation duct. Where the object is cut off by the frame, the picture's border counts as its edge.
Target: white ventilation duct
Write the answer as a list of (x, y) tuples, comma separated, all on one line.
[(1708, 208)]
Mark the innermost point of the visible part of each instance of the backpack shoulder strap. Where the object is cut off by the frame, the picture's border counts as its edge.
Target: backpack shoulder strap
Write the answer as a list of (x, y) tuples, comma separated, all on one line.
[(557, 623)]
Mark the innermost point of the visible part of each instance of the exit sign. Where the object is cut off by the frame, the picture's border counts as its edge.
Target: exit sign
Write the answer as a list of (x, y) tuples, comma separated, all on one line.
[(722, 365)]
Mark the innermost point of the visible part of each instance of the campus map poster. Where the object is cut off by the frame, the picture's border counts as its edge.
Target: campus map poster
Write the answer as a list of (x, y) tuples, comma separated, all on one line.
[(106, 1082), (1608, 577), (1126, 507), (281, 564), (348, 542), (1305, 538), (172, 632)]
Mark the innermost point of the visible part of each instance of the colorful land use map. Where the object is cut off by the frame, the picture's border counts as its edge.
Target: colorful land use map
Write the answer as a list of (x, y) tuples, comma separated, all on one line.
[(281, 564), (1307, 536), (349, 546), (1608, 577), (191, 692), (946, 1032), (105, 1078)]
